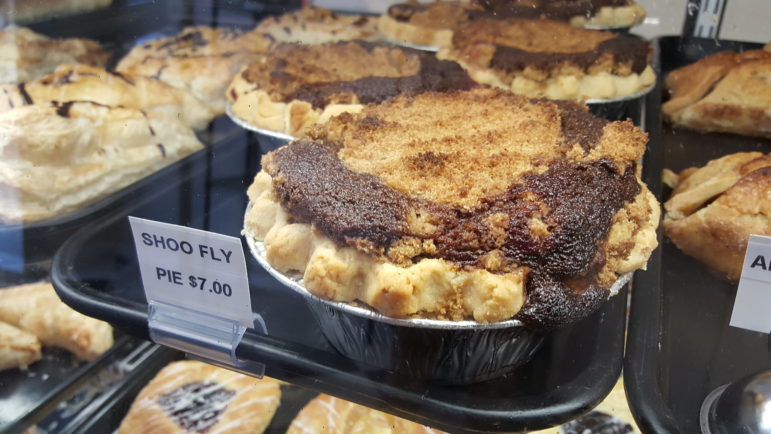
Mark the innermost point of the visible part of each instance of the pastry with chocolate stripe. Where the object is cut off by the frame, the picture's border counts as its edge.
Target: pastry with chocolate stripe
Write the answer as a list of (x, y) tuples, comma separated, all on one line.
[(725, 92), (201, 60), (190, 396), (85, 83), (714, 209), (58, 157), (295, 86), (26, 55), (579, 13), (436, 206), (327, 414), (314, 25), (551, 59)]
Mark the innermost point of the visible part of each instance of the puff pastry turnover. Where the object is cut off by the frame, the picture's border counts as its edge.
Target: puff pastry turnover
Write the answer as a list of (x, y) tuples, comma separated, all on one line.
[(726, 92), (714, 209), (18, 348), (190, 396)]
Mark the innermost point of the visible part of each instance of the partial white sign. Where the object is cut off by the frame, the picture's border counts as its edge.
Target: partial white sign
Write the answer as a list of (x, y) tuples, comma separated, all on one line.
[(752, 307), (193, 269)]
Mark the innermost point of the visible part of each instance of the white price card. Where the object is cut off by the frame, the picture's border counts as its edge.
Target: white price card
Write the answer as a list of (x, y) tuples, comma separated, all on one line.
[(752, 307), (193, 269)]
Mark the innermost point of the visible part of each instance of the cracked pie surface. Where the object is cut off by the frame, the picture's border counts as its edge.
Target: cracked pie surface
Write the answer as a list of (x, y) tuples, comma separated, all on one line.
[(295, 86), (432, 206)]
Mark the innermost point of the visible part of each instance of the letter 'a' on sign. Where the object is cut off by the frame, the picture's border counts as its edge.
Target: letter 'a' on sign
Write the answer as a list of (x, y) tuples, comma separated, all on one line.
[(193, 269), (752, 307)]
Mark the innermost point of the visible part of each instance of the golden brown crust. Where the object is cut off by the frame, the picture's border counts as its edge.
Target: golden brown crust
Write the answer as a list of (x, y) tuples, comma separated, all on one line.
[(550, 58), (727, 92), (190, 396), (429, 25), (200, 59), (314, 25), (440, 164), (714, 209), (36, 308), (26, 55), (327, 414), (58, 158), (33, 11), (18, 348)]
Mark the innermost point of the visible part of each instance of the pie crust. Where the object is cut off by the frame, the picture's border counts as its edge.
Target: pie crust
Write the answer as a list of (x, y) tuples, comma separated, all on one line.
[(314, 25), (194, 397), (56, 158), (551, 59), (428, 25), (26, 55), (714, 209), (726, 92), (86, 83), (201, 60), (296, 86), (410, 207)]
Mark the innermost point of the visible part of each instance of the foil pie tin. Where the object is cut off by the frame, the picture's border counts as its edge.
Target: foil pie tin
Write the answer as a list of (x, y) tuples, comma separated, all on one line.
[(445, 352), (267, 140), (619, 108)]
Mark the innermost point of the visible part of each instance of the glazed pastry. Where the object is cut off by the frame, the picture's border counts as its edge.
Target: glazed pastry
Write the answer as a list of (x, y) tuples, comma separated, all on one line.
[(424, 24), (580, 13), (57, 158), (313, 25), (85, 83), (201, 60), (551, 59), (18, 348), (727, 92), (38, 10), (430, 206), (26, 55), (36, 308), (327, 414), (190, 396), (714, 209), (295, 86)]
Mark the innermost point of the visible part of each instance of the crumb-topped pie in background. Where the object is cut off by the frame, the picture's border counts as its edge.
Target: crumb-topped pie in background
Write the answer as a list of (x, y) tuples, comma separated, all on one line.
[(714, 209), (313, 25), (551, 59), (295, 86), (435, 206)]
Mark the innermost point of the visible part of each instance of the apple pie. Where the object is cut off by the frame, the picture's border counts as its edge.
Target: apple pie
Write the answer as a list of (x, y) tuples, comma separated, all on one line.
[(435, 205), (714, 209)]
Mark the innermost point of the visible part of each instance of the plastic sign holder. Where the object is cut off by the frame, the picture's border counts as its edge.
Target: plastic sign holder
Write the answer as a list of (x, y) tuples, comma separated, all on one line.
[(753, 297), (197, 292)]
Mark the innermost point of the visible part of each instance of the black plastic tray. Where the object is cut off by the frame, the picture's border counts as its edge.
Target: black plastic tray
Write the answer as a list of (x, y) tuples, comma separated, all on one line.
[(96, 273), (680, 346)]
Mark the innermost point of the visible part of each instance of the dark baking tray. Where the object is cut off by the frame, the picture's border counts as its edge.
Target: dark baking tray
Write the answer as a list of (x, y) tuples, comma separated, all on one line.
[(680, 346), (96, 273)]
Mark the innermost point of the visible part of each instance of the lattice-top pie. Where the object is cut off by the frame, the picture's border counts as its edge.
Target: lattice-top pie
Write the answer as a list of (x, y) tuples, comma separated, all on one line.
[(295, 86), (470, 204), (552, 59)]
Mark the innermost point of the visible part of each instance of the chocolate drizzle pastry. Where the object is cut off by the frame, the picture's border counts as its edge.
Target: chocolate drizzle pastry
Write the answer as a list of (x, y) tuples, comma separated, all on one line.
[(296, 85), (440, 209), (200, 59), (552, 59)]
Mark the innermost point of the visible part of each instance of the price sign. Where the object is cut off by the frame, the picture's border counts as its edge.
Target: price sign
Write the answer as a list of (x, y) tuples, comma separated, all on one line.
[(193, 269), (752, 307)]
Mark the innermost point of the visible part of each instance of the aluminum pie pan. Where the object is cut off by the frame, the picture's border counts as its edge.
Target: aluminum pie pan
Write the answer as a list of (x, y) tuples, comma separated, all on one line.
[(432, 48), (294, 283), (623, 98), (247, 126)]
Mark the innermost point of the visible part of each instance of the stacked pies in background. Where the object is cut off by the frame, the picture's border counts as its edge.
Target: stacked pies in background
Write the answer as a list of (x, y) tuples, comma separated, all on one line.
[(438, 206)]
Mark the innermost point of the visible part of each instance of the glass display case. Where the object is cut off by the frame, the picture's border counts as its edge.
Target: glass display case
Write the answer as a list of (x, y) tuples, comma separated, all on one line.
[(467, 215)]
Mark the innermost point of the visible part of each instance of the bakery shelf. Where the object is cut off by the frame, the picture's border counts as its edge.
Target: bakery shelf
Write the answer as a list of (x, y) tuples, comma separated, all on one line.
[(95, 271), (680, 346)]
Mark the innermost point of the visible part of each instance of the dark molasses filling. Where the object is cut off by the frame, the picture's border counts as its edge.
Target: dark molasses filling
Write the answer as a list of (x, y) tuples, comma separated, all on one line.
[(196, 406), (558, 10), (434, 75), (624, 49)]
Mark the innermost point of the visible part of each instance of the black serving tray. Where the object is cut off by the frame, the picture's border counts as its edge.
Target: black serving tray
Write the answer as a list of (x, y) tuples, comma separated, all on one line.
[(96, 272), (680, 346)]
